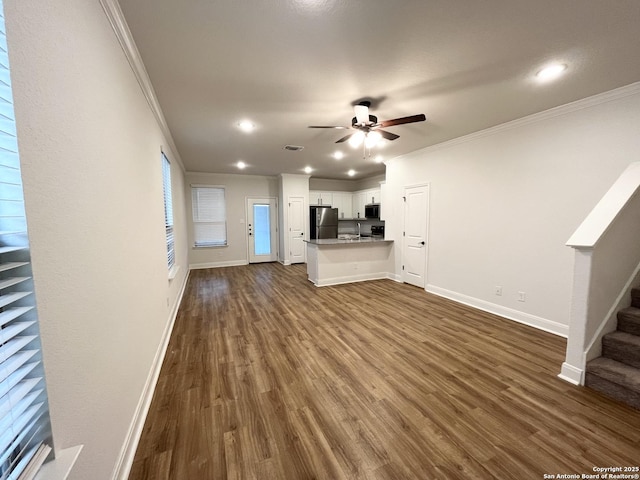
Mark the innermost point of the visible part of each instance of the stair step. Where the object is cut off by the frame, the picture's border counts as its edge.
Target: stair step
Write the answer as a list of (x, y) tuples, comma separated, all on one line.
[(615, 380), (629, 320), (635, 297), (622, 347)]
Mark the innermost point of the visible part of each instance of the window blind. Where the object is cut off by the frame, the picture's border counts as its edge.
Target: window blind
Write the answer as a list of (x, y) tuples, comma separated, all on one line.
[(24, 410), (168, 211), (209, 216)]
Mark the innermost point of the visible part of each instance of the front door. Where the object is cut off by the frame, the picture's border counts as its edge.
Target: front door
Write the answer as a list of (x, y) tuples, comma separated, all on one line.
[(414, 247), (262, 226)]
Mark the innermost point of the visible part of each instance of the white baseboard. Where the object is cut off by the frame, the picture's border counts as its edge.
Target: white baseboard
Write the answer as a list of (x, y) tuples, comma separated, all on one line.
[(516, 315), (571, 374), (394, 277), (128, 451), (351, 279), (228, 263)]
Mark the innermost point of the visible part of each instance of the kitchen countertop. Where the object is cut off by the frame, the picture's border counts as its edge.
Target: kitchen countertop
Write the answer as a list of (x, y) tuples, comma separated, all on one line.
[(340, 241)]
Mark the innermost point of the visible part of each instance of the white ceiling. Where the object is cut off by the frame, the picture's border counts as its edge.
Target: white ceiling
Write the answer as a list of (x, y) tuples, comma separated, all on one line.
[(286, 64)]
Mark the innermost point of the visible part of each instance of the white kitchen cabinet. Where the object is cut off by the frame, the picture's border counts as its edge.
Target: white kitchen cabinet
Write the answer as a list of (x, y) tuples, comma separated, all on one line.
[(359, 201), (320, 198), (372, 195), (343, 202)]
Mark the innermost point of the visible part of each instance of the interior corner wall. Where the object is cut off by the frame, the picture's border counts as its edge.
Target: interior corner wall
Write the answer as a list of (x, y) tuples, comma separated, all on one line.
[(237, 189), (92, 173), (503, 203)]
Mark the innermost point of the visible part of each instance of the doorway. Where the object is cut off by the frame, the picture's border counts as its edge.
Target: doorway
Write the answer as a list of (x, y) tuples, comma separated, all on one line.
[(414, 241), (262, 229)]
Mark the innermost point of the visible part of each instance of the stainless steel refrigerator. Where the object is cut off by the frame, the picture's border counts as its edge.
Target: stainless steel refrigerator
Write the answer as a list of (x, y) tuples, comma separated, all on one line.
[(324, 222)]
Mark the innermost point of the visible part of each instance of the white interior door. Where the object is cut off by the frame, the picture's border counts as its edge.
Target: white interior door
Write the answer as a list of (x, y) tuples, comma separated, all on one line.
[(296, 229), (414, 247), (262, 229)]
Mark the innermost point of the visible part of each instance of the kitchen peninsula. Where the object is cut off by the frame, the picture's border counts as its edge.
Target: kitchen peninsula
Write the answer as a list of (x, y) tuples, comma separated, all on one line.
[(333, 261)]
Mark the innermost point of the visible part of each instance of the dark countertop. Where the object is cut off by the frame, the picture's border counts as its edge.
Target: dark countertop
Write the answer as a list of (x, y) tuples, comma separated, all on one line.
[(339, 241)]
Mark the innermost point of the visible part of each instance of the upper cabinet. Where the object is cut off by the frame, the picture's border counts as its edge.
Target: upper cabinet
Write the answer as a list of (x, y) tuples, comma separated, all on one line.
[(320, 198), (373, 195), (343, 202), (359, 201), (349, 205)]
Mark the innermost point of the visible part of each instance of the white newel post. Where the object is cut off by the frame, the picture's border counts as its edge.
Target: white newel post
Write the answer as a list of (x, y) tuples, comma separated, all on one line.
[(574, 364)]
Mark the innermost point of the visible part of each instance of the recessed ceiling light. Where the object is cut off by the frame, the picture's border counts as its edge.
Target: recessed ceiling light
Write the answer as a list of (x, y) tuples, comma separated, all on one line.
[(241, 165), (308, 169), (378, 159), (246, 126), (551, 72), (338, 155), (351, 172)]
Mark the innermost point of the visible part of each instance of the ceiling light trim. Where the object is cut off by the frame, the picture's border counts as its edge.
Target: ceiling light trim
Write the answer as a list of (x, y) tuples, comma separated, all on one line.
[(121, 29)]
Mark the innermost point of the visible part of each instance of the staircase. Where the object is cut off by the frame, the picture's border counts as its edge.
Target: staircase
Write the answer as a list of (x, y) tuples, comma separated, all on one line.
[(617, 372)]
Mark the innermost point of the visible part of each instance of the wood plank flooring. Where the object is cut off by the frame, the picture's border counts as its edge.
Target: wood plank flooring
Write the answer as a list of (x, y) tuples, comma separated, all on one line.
[(269, 377)]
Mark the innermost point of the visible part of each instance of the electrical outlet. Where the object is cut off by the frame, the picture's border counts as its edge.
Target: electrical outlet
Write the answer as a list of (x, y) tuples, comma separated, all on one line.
[(522, 296), (498, 290)]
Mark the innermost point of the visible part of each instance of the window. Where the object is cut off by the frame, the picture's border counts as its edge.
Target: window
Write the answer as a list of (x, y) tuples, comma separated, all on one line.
[(25, 431), (209, 216), (168, 211)]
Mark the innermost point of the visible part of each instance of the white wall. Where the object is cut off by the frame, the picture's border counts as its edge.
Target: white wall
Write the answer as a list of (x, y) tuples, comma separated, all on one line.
[(335, 185), (505, 201), (331, 185), (90, 151), (237, 189)]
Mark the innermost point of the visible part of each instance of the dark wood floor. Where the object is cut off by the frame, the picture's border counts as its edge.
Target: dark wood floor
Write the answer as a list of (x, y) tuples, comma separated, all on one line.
[(268, 377)]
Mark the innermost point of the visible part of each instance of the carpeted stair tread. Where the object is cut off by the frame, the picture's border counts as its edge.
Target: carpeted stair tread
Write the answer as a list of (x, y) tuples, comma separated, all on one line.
[(629, 320), (635, 297), (615, 372), (622, 347), (615, 380)]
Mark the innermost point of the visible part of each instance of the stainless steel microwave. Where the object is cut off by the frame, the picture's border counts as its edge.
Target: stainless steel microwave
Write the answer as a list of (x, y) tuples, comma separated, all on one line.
[(372, 210)]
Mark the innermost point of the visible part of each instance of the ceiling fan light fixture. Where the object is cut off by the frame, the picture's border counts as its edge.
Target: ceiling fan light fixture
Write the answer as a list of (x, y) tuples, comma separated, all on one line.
[(372, 139), (356, 139)]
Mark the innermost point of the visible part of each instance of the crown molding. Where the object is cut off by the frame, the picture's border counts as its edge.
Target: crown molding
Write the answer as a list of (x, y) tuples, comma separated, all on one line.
[(587, 102), (123, 34)]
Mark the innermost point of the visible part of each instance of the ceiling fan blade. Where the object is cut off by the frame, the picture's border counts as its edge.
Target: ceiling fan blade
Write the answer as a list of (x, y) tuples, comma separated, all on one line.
[(362, 114), (328, 126), (387, 135), (344, 139), (403, 120)]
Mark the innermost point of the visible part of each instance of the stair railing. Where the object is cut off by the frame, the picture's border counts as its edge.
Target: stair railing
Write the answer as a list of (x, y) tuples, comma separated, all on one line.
[(606, 267)]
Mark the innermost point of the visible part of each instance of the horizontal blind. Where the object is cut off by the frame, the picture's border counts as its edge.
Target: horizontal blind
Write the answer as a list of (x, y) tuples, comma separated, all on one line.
[(209, 216), (24, 410), (168, 211)]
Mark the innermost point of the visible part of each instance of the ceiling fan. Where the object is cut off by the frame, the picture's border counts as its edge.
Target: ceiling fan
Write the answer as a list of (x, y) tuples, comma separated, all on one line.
[(367, 127)]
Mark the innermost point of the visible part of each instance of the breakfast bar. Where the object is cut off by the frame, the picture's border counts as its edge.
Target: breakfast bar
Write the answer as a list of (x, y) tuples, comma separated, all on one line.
[(333, 261)]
